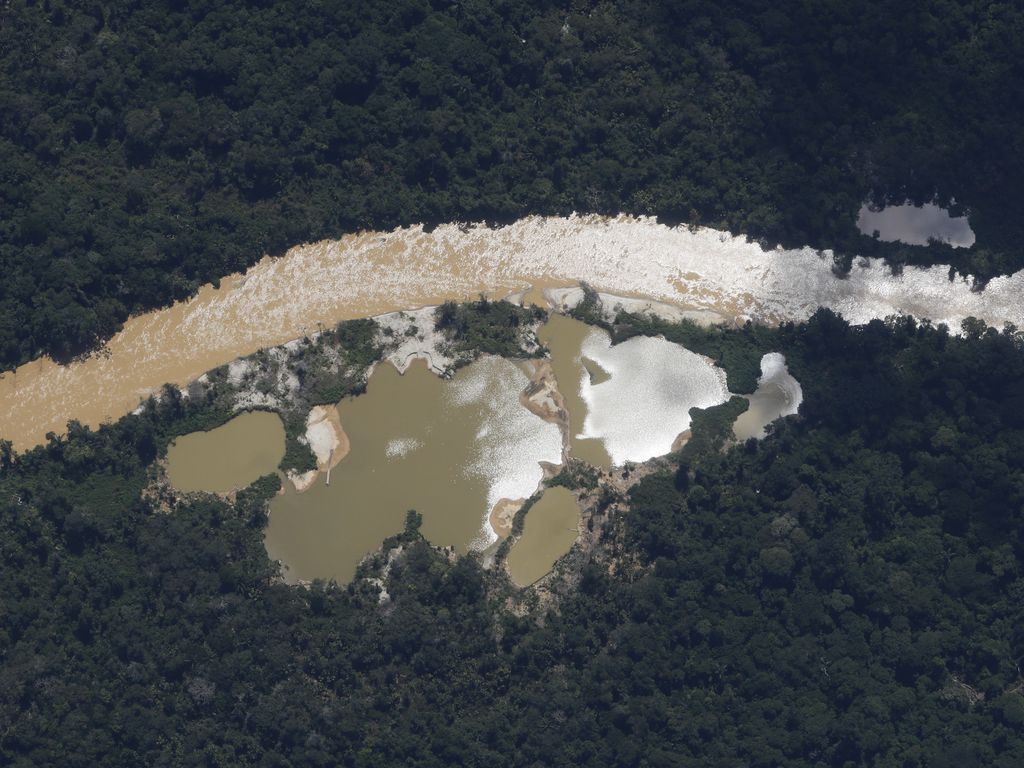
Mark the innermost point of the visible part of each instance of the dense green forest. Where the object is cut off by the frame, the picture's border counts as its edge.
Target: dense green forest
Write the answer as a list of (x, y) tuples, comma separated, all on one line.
[(149, 146), (846, 592)]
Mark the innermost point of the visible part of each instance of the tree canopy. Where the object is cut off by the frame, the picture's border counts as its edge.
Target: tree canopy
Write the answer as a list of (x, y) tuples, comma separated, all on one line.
[(148, 147), (845, 592)]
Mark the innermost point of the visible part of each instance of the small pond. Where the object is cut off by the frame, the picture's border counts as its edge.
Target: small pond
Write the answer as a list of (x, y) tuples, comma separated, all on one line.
[(229, 457), (915, 225), (550, 529), (778, 394)]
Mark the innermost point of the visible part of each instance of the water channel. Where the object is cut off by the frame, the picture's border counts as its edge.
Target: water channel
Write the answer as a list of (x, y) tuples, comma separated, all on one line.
[(372, 273)]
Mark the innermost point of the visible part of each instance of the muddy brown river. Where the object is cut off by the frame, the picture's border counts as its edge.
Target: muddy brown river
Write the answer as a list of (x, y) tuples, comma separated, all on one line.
[(375, 272)]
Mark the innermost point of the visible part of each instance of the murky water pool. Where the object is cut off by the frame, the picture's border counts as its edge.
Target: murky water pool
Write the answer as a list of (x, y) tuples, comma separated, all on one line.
[(627, 402), (778, 394), (451, 450), (552, 525), (457, 450), (915, 225), (229, 457)]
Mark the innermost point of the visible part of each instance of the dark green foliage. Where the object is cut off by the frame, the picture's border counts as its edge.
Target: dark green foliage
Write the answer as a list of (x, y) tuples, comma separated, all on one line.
[(148, 147), (847, 591), (575, 475), (487, 327), (711, 428), (358, 342), (590, 309), (297, 456), (518, 524)]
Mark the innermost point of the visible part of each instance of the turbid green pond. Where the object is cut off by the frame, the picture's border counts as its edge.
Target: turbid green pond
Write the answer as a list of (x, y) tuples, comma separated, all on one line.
[(448, 449), (551, 527), (229, 457)]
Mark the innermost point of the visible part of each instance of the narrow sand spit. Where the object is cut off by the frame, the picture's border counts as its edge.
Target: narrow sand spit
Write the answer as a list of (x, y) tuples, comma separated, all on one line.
[(542, 397), (372, 273), (503, 514), (328, 441)]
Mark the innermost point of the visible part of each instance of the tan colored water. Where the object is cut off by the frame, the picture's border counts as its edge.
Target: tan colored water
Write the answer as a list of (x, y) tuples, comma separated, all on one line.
[(564, 338), (448, 449), (374, 272), (229, 457), (778, 394), (551, 528)]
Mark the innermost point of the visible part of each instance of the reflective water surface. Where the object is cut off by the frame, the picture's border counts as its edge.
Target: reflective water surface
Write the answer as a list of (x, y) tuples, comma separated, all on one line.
[(778, 394), (915, 225), (449, 449)]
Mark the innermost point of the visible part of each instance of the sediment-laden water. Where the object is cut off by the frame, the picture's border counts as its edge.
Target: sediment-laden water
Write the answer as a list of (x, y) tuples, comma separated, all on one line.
[(458, 450), (551, 528), (376, 272), (644, 404), (778, 394), (449, 449), (229, 457), (564, 339)]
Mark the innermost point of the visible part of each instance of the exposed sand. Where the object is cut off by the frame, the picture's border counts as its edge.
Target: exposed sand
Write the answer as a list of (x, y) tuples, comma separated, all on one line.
[(543, 398), (328, 441), (681, 439), (413, 332), (503, 514)]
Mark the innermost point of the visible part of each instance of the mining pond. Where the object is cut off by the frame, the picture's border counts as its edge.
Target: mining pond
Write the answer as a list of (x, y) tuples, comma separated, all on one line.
[(455, 450), (229, 457)]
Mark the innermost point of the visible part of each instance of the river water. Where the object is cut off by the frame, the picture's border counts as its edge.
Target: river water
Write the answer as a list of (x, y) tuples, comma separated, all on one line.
[(376, 272)]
